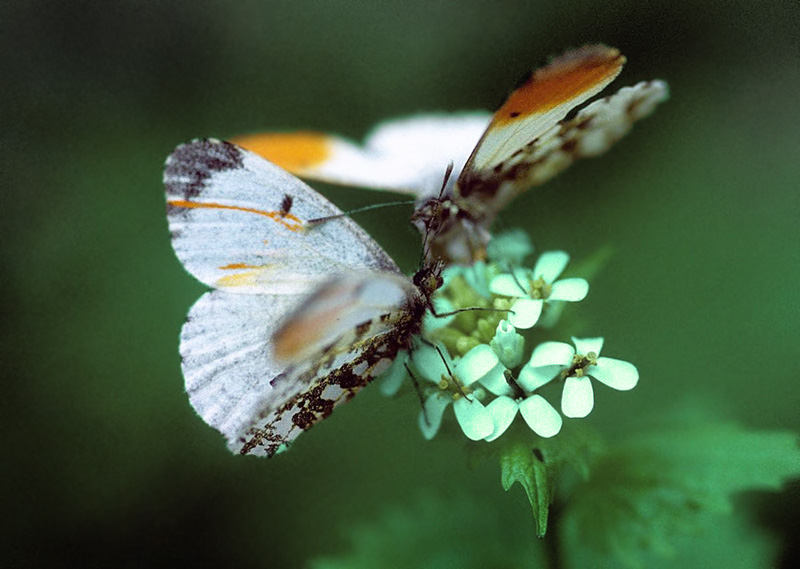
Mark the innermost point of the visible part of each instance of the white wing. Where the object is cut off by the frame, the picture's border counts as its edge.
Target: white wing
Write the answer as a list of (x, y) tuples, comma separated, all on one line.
[(407, 155), (239, 222), (236, 383), (543, 100), (592, 132), (325, 294), (226, 356), (529, 141)]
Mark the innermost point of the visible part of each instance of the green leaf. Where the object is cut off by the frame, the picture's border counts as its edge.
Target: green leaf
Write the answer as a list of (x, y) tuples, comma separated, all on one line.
[(656, 487), (536, 463), (521, 463), (434, 532)]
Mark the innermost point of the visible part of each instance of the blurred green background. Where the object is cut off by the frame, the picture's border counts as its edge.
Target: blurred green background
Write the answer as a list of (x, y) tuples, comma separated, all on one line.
[(105, 463)]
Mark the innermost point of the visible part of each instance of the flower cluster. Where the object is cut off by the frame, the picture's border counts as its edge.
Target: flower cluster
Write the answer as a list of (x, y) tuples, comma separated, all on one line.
[(476, 359)]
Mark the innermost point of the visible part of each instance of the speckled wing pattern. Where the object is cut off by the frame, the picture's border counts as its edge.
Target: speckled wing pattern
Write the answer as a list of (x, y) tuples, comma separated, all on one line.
[(530, 139), (302, 314)]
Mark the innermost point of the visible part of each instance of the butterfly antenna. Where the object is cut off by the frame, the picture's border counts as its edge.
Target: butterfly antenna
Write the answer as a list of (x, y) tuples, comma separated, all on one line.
[(447, 173), (318, 220), (419, 393), (472, 308), (450, 373)]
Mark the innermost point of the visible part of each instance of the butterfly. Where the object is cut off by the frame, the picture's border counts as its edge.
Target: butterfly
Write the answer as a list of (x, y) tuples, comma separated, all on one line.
[(301, 314), (527, 141)]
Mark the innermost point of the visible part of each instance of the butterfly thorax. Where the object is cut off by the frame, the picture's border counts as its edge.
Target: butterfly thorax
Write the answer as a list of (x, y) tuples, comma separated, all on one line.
[(458, 228)]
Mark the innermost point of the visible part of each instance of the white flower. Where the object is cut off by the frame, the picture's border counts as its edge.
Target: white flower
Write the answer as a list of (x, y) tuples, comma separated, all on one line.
[(390, 381), (454, 384), (477, 275), (576, 365), (431, 322), (518, 395), (508, 344), (540, 416), (510, 247), (533, 288)]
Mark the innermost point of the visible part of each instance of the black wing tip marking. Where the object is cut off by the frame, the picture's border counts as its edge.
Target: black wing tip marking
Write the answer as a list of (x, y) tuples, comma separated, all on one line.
[(191, 164)]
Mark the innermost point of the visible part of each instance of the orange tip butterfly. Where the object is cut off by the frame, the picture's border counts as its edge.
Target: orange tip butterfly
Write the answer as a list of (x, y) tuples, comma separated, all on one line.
[(525, 143), (301, 316)]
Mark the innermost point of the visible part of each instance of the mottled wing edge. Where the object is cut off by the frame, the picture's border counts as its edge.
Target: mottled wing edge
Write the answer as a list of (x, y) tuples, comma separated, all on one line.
[(337, 374), (592, 132)]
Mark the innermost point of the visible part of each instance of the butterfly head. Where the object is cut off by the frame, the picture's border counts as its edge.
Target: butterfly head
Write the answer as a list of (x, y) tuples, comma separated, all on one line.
[(429, 278), (455, 233)]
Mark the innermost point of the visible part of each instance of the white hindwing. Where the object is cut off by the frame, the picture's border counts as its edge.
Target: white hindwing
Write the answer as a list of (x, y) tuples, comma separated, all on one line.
[(328, 345), (304, 315)]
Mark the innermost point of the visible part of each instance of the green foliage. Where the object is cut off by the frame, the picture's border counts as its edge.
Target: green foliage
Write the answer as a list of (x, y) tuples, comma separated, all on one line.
[(536, 464), (656, 487), (434, 533), (520, 463)]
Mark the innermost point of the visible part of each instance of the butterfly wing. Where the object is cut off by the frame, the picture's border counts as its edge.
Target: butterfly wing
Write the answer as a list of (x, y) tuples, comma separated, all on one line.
[(590, 133), (230, 227), (541, 102), (356, 324), (240, 225), (261, 369), (408, 155), (529, 140)]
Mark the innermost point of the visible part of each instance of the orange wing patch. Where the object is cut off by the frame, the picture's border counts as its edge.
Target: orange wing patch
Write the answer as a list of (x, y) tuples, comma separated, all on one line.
[(288, 220), (296, 335), (247, 278), (544, 100), (564, 79), (292, 151), (234, 266)]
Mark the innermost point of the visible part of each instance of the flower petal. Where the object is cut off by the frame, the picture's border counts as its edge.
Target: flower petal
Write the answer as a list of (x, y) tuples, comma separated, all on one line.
[(508, 344), (505, 285), (532, 378), (541, 417), (390, 381), (429, 363), (431, 418), (511, 246), (550, 265), (495, 381), (476, 363), (571, 290), (552, 353), (503, 410), (475, 420), (525, 313), (577, 399), (585, 345), (478, 276), (616, 374)]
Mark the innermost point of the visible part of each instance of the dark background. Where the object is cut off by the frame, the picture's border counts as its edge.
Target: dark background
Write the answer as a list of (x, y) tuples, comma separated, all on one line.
[(106, 464)]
